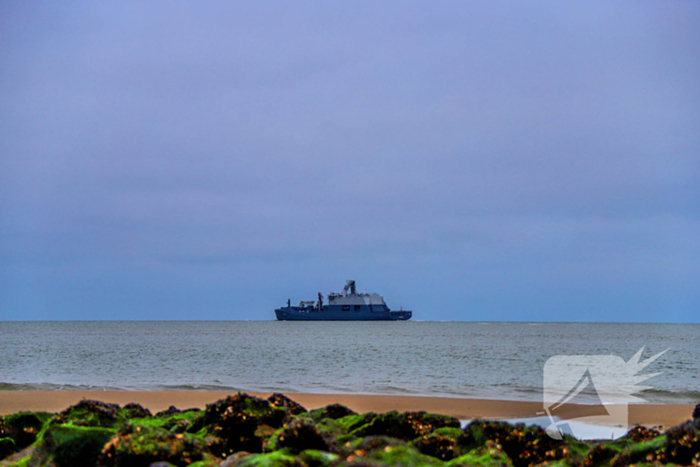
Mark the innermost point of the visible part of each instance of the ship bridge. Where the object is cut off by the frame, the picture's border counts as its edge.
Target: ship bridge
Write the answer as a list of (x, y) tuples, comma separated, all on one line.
[(349, 296)]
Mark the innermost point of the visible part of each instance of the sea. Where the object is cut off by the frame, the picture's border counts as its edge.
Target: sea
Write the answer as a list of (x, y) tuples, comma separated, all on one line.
[(492, 360)]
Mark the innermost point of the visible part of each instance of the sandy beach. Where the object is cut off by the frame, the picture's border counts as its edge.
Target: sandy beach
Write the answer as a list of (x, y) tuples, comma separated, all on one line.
[(464, 409)]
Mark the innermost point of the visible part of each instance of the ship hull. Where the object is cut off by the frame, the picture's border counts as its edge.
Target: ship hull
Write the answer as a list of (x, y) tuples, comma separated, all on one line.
[(299, 314)]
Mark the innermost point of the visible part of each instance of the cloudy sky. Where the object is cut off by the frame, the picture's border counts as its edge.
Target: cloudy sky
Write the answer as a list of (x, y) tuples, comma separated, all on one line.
[(525, 161)]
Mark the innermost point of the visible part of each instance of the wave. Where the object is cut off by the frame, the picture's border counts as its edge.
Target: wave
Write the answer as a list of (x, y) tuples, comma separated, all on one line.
[(656, 395), (55, 387), (498, 391), (90, 387)]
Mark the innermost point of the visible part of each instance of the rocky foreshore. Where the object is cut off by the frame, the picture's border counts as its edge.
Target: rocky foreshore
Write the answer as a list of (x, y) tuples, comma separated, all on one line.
[(242, 430)]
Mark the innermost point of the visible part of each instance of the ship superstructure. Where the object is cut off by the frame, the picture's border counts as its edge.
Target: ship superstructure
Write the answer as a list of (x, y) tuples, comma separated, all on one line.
[(345, 306)]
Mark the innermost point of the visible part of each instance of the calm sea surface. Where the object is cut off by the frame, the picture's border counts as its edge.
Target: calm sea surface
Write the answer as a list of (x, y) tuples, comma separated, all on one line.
[(489, 360)]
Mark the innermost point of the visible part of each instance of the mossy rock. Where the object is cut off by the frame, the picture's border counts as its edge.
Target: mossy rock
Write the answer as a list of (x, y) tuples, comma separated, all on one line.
[(639, 434), (189, 421), (353, 422), (7, 447), (333, 411), (281, 458), (281, 401), (435, 445), (488, 455), (370, 443), (92, 413), (390, 455), (439, 444), (24, 427), (679, 446), (172, 410), (647, 451), (405, 426), (600, 455), (525, 445), (132, 410), (332, 427), (315, 458), (298, 435), (69, 445), (139, 446), (240, 423), (250, 406), (682, 444), (208, 461)]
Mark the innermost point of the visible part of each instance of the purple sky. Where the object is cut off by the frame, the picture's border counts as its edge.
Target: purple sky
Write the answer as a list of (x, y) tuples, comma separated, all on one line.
[(526, 161)]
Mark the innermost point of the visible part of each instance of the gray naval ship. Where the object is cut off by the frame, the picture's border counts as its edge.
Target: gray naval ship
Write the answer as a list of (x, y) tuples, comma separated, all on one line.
[(345, 306)]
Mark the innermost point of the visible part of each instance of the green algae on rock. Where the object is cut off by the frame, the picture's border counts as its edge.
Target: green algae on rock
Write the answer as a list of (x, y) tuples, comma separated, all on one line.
[(68, 445), (278, 400), (333, 411), (524, 445), (139, 446), (7, 447), (405, 426), (240, 423), (236, 430), (24, 427), (298, 435)]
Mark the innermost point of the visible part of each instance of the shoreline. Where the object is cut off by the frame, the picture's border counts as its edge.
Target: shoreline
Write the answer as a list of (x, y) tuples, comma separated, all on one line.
[(650, 415)]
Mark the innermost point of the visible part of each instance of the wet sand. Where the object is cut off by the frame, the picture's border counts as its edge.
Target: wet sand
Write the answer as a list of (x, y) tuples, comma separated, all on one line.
[(464, 409)]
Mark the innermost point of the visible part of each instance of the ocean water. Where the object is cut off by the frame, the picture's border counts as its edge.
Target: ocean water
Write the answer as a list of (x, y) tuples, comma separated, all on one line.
[(456, 359)]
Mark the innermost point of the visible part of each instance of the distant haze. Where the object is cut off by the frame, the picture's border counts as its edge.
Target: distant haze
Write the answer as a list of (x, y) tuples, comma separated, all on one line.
[(525, 161)]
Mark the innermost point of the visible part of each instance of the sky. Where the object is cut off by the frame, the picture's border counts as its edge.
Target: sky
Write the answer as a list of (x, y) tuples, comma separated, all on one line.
[(486, 160)]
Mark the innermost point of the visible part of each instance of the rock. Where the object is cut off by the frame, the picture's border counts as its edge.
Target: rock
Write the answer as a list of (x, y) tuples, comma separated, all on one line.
[(361, 446), (92, 413), (488, 455), (133, 410), (333, 411), (435, 445), (640, 433), (233, 459), (282, 401), (314, 458), (696, 413), (186, 421), (68, 445), (597, 455), (235, 421), (389, 455), (251, 407), (181, 425), (172, 410), (406, 426), (682, 444), (23, 427), (353, 422), (273, 459), (138, 446), (524, 445), (298, 435), (634, 453), (7, 447)]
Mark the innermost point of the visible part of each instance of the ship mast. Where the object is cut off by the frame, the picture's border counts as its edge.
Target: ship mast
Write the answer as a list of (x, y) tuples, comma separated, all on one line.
[(349, 285)]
